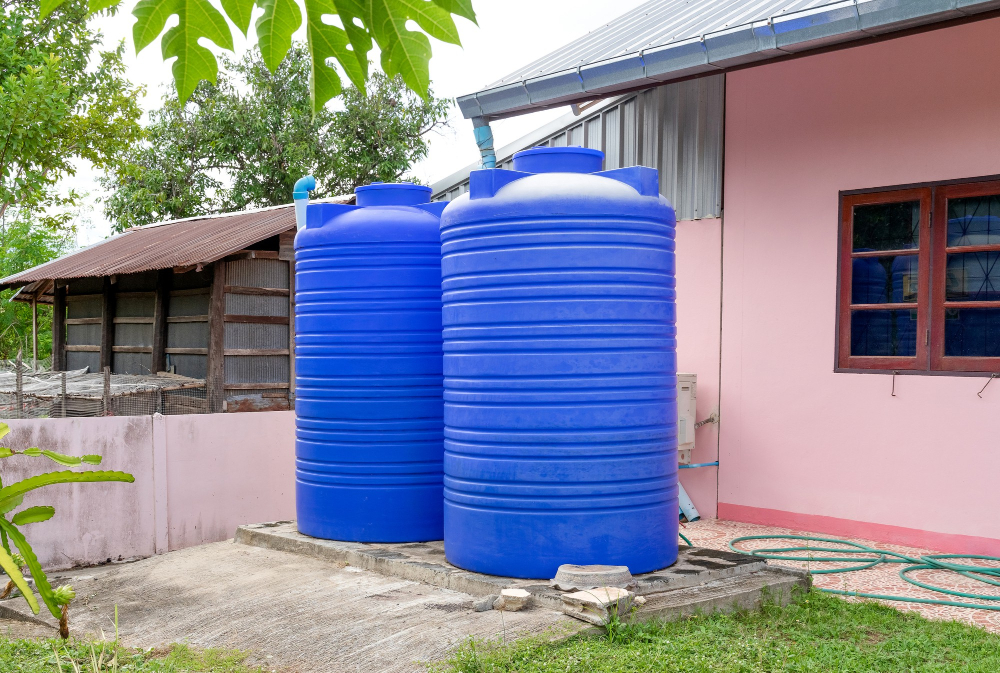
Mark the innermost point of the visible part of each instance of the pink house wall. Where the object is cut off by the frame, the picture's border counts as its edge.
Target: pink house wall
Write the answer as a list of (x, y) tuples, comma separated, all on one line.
[(699, 287), (801, 445)]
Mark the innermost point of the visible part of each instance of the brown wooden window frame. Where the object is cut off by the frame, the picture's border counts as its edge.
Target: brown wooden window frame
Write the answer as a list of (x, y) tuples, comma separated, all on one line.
[(931, 305)]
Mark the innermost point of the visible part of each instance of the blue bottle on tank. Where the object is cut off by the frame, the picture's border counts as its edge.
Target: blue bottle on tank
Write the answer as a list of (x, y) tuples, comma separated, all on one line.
[(560, 368), (368, 374)]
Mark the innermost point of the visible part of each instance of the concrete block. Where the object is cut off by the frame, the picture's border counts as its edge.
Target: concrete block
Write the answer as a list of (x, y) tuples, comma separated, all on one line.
[(598, 606), (512, 600), (570, 577), (484, 604)]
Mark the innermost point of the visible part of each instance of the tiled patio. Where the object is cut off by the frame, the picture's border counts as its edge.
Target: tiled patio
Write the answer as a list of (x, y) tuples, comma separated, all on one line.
[(881, 579)]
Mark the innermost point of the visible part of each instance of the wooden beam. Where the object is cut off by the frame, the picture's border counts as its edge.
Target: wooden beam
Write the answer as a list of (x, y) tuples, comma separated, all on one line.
[(82, 321), (80, 297), (187, 318), (161, 304), (34, 333), (186, 351), (107, 323), (82, 348), (58, 328), (190, 291), (131, 349), (252, 254), (136, 295), (259, 319), (134, 320), (215, 378), (256, 351), (260, 291)]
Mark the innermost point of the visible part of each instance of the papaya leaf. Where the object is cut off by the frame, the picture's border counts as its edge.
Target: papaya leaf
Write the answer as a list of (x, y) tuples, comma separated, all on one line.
[(355, 18), (14, 573), (281, 18), (95, 6), (49, 6), (432, 19), (239, 12), (461, 8), (327, 41), (16, 502), (404, 52), (4, 429), (30, 560), (33, 515), (196, 19), (18, 489)]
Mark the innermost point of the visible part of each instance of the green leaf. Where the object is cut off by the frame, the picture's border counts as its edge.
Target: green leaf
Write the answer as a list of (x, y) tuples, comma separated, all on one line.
[(404, 52), (14, 573), (5, 452), (18, 489), (355, 16), (48, 6), (62, 458), (196, 19), (4, 429), (461, 8), (33, 515), (281, 18), (239, 12), (16, 502), (95, 6), (91, 459), (327, 41), (30, 560), (435, 21)]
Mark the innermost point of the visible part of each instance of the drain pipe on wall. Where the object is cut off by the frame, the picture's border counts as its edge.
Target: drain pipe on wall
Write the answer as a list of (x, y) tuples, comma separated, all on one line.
[(300, 197), (484, 140)]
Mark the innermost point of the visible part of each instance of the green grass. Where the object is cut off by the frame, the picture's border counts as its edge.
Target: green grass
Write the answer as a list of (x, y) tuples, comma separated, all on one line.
[(40, 656), (817, 632)]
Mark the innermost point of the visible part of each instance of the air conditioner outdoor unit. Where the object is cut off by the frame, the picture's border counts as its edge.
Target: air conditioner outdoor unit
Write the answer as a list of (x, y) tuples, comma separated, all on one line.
[(687, 398)]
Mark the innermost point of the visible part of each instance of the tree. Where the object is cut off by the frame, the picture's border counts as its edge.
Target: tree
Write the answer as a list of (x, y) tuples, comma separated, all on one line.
[(62, 100), (363, 25), (245, 141)]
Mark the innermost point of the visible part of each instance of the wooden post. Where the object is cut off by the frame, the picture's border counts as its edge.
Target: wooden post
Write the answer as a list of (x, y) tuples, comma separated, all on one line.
[(59, 327), (215, 378), (106, 397), (19, 385), (107, 324), (34, 333), (63, 391), (163, 283)]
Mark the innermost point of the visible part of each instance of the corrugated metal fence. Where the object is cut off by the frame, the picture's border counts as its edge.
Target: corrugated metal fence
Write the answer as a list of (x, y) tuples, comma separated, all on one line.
[(676, 128)]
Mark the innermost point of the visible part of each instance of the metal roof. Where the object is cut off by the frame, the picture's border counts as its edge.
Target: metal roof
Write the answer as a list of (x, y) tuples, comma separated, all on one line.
[(666, 40), (165, 245)]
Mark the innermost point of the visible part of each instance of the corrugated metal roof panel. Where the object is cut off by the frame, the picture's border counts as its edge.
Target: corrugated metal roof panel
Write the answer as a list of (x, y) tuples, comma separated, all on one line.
[(196, 240), (737, 31)]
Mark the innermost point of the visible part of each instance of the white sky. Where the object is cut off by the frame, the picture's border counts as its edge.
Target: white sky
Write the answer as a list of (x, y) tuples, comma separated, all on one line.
[(511, 33)]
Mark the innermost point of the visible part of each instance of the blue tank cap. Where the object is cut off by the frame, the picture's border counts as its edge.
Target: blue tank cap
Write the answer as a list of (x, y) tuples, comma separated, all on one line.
[(392, 194), (559, 160)]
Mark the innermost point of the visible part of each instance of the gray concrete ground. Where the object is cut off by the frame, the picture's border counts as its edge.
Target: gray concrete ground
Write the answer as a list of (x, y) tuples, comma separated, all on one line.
[(292, 612)]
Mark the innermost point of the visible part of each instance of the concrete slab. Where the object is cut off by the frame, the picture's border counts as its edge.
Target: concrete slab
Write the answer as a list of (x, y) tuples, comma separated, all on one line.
[(712, 579)]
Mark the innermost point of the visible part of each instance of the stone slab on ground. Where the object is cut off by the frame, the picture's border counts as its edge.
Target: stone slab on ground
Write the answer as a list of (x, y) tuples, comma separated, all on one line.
[(742, 576)]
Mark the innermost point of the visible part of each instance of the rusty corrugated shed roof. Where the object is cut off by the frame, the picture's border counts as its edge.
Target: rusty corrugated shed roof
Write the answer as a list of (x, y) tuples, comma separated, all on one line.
[(165, 245)]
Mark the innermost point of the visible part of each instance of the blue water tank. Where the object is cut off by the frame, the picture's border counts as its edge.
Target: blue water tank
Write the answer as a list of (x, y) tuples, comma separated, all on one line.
[(560, 368), (368, 378)]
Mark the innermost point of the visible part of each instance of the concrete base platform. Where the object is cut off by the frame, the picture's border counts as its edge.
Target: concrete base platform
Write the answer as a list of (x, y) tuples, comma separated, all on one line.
[(702, 580)]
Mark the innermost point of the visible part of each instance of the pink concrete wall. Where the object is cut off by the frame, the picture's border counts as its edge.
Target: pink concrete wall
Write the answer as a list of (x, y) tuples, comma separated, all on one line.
[(224, 470), (196, 479), (799, 443), (699, 287)]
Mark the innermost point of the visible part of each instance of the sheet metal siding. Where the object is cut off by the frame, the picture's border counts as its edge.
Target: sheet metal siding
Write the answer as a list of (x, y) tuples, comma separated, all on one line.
[(251, 304), (258, 273), (676, 128)]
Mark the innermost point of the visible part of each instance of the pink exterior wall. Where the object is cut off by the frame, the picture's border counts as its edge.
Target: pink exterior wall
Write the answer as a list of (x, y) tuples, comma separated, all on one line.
[(699, 286), (196, 479), (800, 444), (224, 470)]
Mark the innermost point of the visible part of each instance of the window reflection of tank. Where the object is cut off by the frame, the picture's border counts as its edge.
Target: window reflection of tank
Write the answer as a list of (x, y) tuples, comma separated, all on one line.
[(972, 276), (871, 331)]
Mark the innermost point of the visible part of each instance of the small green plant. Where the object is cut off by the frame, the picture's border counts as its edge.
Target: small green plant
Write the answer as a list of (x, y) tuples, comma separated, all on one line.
[(11, 497)]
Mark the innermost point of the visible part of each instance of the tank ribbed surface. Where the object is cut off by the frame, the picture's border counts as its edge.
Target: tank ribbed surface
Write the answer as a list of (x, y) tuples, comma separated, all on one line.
[(560, 372), (368, 373)]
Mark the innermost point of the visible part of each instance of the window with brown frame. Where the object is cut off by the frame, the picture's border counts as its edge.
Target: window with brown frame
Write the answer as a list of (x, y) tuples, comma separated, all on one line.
[(920, 279)]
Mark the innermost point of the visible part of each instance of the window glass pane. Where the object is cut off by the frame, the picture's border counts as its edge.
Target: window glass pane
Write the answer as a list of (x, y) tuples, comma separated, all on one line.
[(972, 332), (884, 333), (974, 221), (887, 226), (973, 276), (880, 280)]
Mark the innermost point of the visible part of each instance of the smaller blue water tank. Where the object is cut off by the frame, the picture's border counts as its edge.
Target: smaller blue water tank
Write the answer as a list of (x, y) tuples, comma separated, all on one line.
[(369, 410)]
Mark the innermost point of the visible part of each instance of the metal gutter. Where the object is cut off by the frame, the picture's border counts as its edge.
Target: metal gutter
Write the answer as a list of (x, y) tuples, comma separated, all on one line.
[(792, 32)]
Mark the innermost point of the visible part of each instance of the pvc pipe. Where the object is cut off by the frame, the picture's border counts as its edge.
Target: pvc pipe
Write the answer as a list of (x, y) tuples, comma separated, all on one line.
[(484, 140), (694, 465), (687, 507), (300, 196)]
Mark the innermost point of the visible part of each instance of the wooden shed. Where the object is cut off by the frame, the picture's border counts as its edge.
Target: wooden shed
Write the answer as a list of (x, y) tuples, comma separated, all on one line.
[(208, 298)]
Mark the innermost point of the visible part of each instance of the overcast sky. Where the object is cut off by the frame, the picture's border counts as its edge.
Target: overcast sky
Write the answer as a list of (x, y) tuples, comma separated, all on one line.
[(510, 34)]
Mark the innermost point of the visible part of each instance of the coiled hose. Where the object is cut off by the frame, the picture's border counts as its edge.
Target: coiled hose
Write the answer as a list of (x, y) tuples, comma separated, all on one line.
[(852, 552)]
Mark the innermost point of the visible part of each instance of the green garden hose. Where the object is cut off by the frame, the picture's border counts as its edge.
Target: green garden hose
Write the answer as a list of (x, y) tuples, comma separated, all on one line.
[(852, 550), (686, 541)]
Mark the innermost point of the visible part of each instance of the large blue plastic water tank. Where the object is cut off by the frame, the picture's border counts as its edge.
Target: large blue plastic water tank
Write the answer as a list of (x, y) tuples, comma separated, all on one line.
[(560, 368), (368, 368)]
